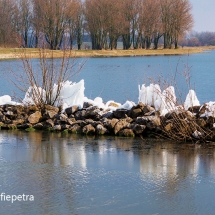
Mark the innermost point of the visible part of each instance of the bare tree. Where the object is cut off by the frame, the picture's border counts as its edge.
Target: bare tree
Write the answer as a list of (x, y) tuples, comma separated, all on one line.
[(94, 19), (149, 21), (182, 18), (176, 19), (52, 16), (79, 23), (24, 21), (8, 18)]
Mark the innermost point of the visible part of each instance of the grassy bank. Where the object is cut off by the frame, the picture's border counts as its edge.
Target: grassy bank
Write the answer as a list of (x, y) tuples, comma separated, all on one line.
[(10, 53)]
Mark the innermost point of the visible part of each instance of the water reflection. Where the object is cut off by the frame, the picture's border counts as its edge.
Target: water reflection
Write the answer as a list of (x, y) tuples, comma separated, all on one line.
[(72, 174), (72, 150)]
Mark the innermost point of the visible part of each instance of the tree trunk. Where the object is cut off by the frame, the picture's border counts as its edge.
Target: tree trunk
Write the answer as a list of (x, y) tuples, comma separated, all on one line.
[(126, 41)]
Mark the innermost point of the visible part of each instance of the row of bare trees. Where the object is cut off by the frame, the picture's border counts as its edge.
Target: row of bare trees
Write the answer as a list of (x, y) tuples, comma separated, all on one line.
[(60, 23)]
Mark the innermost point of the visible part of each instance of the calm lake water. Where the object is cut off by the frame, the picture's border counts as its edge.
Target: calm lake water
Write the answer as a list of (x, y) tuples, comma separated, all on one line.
[(118, 78), (70, 174)]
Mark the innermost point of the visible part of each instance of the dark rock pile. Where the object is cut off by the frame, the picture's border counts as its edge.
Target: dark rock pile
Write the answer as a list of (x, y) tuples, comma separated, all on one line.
[(140, 120)]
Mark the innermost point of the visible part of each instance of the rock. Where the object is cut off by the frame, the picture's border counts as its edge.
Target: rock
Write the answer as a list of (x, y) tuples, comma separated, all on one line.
[(113, 104), (10, 115), (18, 121), (145, 119), (92, 122), (49, 123), (50, 114), (120, 113), (136, 112), (127, 133), (57, 127), (129, 119), (35, 117), (80, 115), (71, 110), (51, 108), (8, 121), (185, 115), (63, 118), (38, 126), (8, 126), (75, 129), (138, 129), (65, 127), (201, 122), (81, 123), (108, 115), (171, 115), (122, 123), (32, 108), (71, 121), (100, 129), (202, 110), (147, 109), (92, 112), (168, 127), (88, 129), (2, 117), (140, 105), (24, 126), (86, 105), (110, 123), (210, 121), (194, 109)]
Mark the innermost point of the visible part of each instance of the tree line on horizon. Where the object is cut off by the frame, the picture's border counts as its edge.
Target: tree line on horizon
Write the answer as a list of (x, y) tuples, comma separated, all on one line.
[(198, 39), (58, 24)]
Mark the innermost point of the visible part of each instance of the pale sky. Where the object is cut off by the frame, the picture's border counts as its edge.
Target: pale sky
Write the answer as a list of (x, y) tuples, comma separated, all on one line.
[(204, 15)]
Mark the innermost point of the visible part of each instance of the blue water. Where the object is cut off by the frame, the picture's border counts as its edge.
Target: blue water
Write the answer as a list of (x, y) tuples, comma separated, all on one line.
[(69, 174), (117, 78)]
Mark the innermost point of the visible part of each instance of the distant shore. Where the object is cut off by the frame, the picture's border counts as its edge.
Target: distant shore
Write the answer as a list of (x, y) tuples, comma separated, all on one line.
[(14, 53)]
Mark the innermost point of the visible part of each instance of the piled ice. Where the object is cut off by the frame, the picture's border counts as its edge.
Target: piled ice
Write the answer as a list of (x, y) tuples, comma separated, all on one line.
[(73, 94), (163, 101), (7, 100), (191, 100), (209, 109)]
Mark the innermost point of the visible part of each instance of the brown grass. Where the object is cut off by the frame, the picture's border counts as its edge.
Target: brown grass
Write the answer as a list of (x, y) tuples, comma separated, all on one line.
[(12, 53)]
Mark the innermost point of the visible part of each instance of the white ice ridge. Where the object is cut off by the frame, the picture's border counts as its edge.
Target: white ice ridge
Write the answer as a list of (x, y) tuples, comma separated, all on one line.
[(165, 101), (7, 100), (162, 101), (73, 94), (191, 100)]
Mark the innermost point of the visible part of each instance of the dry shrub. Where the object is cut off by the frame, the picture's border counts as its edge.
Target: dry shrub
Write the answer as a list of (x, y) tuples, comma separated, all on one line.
[(44, 78)]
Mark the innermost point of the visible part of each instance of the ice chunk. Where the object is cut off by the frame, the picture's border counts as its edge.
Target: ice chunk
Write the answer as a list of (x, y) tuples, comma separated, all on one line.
[(71, 94), (34, 95), (197, 134), (210, 109), (191, 100), (162, 101), (148, 95), (127, 105), (7, 100)]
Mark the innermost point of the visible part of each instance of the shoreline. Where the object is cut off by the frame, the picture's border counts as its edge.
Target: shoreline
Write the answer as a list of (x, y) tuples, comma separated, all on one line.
[(16, 53), (141, 120)]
